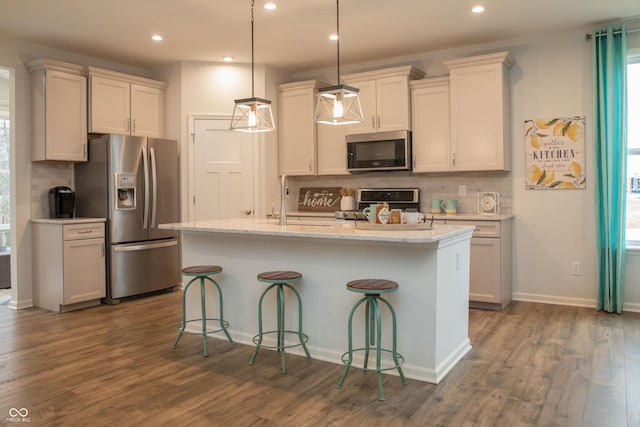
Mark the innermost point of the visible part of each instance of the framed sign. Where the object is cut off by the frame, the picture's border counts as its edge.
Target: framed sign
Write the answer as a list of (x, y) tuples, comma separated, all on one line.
[(319, 199), (555, 153)]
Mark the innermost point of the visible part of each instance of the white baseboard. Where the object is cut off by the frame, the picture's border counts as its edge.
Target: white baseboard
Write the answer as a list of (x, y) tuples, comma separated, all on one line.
[(574, 302), (552, 299)]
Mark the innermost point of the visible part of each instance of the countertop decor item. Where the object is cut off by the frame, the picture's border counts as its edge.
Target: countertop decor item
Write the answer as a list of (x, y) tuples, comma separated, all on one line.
[(252, 114), (339, 105)]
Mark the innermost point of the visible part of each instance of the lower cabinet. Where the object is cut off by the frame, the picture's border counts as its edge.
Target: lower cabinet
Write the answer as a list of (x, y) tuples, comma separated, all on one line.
[(68, 265), (490, 276)]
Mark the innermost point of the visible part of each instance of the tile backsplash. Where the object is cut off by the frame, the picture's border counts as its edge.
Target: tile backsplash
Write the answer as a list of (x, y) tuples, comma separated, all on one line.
[(432, 186), (45, 175)]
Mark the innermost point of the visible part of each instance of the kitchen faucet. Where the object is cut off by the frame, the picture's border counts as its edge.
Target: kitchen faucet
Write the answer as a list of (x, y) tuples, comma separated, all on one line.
[(284, 192)]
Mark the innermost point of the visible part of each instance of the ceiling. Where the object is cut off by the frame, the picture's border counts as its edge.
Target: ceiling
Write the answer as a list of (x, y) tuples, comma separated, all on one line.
[(293, 37)]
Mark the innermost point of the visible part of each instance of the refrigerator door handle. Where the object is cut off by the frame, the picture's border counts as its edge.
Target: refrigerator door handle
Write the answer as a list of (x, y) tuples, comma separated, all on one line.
[(154, 184), (145, 164), (144, 247)]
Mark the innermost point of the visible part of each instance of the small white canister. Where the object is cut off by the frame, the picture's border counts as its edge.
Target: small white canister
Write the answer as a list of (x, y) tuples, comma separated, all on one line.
[(347, 203)]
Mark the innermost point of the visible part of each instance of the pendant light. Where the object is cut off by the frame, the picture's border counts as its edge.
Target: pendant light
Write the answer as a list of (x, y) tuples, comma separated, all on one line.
[(252, 114), (339, 105)]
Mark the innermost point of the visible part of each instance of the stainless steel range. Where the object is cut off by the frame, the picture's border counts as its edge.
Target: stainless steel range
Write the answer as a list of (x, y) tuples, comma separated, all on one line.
[(397, 198)]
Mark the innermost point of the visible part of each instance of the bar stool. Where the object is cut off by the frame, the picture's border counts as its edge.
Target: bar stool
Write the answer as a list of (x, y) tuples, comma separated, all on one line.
[(202, 272), (280, 280), (372, 289)]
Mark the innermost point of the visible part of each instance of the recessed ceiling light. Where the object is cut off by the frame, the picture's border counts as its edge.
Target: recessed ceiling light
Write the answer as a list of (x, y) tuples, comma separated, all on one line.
[(333, 37), (227, 58), (270, 5), (477, 9), (156, 37)]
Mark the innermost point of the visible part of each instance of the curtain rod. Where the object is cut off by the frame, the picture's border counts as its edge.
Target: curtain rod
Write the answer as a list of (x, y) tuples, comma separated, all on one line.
[(589, 36)]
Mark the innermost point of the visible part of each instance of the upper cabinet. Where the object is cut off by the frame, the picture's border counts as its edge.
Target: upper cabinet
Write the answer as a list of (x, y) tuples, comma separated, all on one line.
[(479, 99), (59, 111), (297, 127), (125, 104), (384, 96), (307, 148), (431, 126)]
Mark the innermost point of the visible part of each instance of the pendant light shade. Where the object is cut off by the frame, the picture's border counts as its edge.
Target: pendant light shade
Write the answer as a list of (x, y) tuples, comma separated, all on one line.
[(339, 105), (252, 114)]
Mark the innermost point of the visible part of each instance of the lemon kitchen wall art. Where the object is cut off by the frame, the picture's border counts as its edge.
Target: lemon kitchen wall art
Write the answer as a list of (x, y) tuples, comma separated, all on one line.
[(555, 153)]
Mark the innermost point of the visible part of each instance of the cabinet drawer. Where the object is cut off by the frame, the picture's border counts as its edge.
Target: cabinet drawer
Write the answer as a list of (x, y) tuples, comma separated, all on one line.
[(483, 228), (83, 231)]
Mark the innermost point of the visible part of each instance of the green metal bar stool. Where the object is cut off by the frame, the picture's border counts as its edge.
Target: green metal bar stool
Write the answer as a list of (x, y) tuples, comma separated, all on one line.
[(372, 288), (280, 280), (202, 272)]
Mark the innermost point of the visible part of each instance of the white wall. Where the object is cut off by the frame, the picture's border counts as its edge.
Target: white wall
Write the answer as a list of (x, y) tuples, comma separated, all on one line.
[(552, 77)]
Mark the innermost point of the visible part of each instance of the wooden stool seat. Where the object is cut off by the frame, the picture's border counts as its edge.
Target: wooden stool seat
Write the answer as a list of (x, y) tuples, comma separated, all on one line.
[(201, 270), (279, 276), (372, 286)]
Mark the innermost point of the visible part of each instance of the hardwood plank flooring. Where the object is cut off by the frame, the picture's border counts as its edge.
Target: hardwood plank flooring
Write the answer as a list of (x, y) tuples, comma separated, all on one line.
[(531, 365)]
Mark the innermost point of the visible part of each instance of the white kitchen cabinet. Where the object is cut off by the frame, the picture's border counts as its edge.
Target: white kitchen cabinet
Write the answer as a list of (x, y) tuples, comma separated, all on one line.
[(332, 150), (297, 130), (59, 111), (479, 103), (68, 264), (491, 278), (125, 104), (384, 97), (431, 125)]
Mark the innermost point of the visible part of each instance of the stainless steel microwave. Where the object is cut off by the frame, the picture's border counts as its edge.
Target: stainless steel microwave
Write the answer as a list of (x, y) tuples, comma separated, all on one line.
[(381, 151)]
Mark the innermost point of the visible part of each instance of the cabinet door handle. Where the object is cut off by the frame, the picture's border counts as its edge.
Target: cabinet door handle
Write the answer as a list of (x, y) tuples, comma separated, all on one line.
[(378, 121), (414, 162), (373, 122), (102, 250), (128, 125), (310, 170), (85, 231), (247, 212), (134, 126), (454, 160)]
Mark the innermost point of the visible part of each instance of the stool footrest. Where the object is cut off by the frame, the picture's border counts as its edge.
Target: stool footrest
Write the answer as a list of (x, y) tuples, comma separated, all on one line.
[(256, 340), (223, 324), (398, 356)]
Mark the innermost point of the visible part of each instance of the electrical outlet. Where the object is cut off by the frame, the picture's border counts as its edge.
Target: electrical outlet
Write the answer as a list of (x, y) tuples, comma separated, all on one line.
[(576, 268), (462, 190)]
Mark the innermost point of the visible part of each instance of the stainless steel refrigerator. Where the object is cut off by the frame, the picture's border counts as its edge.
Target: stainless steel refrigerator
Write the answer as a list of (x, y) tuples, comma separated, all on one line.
[(133, 182)]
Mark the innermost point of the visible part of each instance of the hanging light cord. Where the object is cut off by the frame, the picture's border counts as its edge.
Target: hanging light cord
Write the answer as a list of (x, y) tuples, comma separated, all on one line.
[(338, 35), (252, 77)]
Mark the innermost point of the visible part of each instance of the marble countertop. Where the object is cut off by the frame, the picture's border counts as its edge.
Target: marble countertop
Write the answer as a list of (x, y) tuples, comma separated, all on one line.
[(323, 230), (67, 221)]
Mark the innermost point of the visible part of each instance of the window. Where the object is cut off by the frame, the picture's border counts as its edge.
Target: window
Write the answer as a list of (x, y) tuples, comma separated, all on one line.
[(633, 151)]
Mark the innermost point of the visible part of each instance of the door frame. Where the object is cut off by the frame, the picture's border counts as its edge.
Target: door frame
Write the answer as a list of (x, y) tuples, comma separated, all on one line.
[(259, 171)]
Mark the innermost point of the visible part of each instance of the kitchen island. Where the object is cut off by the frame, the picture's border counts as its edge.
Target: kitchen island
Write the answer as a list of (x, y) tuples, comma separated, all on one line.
[(431, 267)]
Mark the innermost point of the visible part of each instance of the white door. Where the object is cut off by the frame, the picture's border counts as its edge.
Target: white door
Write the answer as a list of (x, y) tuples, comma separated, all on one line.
[(223, 171)]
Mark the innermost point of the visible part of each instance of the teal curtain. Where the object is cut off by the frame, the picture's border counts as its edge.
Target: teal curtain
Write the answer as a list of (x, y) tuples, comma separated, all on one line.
[(610, 141)]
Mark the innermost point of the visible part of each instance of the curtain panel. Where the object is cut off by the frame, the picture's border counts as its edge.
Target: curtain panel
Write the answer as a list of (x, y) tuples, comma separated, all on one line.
[(610, 143)]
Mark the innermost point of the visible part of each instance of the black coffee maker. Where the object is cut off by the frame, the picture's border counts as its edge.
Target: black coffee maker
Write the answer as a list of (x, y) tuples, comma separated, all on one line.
[(62, 202)]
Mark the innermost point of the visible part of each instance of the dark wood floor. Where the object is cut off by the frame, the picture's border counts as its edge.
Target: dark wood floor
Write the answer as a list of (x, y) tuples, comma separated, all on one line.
[(531, 365)]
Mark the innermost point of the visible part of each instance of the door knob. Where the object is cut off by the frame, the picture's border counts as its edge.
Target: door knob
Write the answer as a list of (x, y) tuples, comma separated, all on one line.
[(247, 212)]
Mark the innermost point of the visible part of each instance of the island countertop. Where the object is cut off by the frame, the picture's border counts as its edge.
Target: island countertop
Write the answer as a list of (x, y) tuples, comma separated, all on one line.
[(324, 230)]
